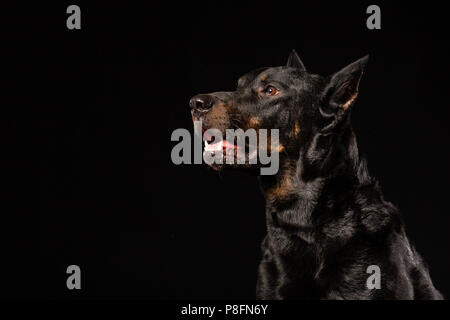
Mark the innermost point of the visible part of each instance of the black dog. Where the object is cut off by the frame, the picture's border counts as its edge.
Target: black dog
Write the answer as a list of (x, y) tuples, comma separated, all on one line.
[(327, 221)]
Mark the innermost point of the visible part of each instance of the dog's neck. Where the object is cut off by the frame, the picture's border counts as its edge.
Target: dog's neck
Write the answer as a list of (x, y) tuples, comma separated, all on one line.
[(296, 195)]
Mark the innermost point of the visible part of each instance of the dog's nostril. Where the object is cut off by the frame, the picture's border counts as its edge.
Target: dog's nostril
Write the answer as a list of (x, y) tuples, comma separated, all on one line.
[(196, 103), (202, 102), (199, 104)]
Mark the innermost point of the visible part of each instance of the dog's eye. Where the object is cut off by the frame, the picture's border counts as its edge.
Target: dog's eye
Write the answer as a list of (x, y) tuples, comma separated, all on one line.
[(270, 91)]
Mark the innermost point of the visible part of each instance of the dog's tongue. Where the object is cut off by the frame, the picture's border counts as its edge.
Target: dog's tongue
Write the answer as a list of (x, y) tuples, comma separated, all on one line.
[(213, 146), (218, 146)]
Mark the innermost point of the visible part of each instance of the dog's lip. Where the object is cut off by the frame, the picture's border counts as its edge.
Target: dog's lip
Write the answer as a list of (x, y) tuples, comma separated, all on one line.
[(225, 143)]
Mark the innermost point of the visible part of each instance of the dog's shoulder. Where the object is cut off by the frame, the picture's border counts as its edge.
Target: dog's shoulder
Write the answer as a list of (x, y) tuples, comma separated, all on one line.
[(375, 214)]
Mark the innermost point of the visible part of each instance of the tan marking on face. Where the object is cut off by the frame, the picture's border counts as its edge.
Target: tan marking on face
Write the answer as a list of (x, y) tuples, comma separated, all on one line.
[(264, 77), (275, 148), (218, 117), (296, 129), (254, 122)]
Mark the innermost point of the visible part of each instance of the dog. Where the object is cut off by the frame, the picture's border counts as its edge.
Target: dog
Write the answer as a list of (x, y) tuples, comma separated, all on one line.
[(328, 225)]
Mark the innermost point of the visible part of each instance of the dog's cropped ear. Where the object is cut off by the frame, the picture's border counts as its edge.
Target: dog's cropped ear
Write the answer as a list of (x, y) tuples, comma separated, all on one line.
[(294, 61), (342, 88)]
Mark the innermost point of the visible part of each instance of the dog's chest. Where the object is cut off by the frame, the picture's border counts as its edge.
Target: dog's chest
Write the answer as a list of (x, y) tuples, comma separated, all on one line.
[(290, 274)]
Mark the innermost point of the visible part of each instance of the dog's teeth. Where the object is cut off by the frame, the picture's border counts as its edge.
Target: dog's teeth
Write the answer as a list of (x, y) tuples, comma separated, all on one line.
[(217, 146)]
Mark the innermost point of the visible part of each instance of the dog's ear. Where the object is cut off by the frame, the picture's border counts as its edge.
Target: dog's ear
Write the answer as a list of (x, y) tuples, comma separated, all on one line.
[(342, 88), (294, 61)]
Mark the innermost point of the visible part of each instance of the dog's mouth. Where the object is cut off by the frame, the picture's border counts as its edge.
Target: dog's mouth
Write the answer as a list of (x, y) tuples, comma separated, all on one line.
[(213, 144)]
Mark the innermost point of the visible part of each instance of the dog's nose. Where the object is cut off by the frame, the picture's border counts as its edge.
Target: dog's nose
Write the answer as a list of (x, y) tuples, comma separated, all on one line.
[(202, 102)]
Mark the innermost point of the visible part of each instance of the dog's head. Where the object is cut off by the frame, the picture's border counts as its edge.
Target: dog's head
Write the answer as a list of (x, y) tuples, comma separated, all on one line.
[(301, 105)]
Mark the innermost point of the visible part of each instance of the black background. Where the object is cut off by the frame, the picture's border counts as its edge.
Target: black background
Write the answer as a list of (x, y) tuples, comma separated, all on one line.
[(106, 99)]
